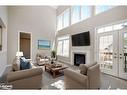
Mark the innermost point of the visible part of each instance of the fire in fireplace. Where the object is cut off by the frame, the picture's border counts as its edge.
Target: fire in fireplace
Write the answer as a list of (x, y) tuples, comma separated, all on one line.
[(79, 59)]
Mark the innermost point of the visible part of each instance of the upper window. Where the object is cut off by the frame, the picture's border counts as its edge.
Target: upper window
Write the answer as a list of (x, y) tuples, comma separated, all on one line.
[(80, 13), (0, 38), (63, 20), (99, 9), (85, 12), (66, 18), (75, 14), (59, 22)]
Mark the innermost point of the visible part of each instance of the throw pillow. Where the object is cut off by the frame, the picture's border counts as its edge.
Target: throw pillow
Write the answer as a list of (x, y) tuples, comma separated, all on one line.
[(83, 69), (16, 64), (24, 64)]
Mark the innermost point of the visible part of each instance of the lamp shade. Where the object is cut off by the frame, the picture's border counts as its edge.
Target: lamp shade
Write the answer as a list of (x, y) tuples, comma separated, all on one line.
[(19, 53)]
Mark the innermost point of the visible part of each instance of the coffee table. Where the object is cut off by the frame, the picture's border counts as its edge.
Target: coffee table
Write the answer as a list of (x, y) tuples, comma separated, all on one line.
[(55, 69)]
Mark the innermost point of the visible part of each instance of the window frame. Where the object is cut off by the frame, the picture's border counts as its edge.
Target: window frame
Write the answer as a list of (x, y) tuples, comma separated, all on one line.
[(62, 39)]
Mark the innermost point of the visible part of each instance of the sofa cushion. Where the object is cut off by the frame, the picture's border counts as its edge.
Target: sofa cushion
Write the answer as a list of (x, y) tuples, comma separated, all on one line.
[(16, 64), (24, 64)]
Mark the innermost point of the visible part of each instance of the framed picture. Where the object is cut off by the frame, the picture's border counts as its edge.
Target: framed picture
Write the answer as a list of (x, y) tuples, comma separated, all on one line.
[(44, 44)]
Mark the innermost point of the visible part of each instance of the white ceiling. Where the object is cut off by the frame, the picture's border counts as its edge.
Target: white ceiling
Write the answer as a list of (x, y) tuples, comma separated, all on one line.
[(55, 7)]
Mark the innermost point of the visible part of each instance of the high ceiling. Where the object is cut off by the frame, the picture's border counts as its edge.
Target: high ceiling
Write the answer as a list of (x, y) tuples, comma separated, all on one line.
[(55, 7)]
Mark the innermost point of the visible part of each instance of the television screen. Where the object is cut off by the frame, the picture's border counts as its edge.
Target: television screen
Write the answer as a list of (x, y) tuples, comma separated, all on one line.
[(82, 39)]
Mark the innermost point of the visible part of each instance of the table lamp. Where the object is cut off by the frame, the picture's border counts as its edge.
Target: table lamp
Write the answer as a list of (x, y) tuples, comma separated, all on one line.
[(19, 54)]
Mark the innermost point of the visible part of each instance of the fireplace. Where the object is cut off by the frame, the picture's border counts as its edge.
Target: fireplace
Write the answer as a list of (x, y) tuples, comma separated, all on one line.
[(79, 59)]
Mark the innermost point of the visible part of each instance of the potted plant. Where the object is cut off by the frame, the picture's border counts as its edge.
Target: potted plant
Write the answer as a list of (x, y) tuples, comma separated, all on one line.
[(53, 54)]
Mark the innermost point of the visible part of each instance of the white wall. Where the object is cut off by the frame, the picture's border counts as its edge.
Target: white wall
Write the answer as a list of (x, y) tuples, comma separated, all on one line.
[(3, 53), (38, 20), (115, 14)]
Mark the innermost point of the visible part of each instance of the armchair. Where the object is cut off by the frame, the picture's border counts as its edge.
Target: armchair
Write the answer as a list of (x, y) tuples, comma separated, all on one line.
[(87, 78)]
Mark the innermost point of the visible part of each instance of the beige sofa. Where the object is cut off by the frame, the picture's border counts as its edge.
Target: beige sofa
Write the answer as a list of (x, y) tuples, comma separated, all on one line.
[(25, 79), (87, 78), (41, 60)]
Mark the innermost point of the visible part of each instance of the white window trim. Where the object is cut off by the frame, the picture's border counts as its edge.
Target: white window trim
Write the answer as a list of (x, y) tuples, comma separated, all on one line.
[(111, 24), (62, 38)]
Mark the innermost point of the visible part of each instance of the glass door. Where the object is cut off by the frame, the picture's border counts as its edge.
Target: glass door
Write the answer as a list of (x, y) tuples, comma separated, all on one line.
[(123, 53), (108, 52), (112, 49)]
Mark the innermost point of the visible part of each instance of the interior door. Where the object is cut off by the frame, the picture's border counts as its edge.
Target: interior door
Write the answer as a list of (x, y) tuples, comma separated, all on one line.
[(25, 44), (108, 52), (123, 53)]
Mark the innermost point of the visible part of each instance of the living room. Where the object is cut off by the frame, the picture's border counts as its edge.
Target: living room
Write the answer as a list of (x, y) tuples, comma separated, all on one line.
[(54, 29)]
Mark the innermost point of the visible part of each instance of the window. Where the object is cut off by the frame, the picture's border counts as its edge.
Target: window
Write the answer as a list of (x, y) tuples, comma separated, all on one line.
[(78, 13), (59, 47), (99, 9), (75, 17), (85, 12), (108, 28), (59, 22), (63, 46), (63, 20), (66, 19), (0, 38), (118, 26), (112, 27)]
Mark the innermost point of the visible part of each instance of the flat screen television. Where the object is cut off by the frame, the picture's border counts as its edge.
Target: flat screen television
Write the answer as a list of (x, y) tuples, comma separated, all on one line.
[(82, 39)]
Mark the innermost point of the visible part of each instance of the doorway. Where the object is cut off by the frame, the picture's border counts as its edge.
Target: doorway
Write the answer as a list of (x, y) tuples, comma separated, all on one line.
[(25, 44), (112, 50)]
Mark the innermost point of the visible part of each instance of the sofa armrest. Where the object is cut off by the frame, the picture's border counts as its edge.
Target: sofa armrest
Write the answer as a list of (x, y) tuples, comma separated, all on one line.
[(17, 75), (75, 80)]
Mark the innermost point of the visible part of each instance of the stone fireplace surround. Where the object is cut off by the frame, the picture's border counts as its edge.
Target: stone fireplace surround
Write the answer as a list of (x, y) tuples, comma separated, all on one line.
[(85, 52)]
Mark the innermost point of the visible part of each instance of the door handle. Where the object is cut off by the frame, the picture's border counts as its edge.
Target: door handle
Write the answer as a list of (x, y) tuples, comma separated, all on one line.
[(120, 57), (115, 57)]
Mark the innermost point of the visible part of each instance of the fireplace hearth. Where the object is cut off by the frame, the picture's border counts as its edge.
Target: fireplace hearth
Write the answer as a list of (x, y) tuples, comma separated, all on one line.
[(79, 59)]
